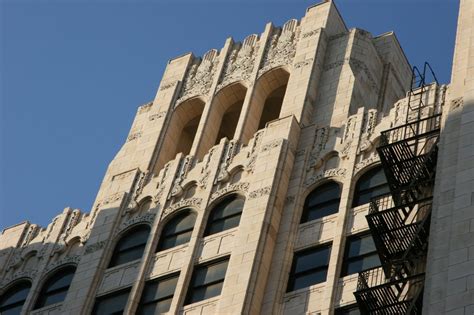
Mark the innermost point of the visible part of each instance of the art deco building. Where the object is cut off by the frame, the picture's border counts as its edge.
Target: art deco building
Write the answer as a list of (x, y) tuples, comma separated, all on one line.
[(306, 170)]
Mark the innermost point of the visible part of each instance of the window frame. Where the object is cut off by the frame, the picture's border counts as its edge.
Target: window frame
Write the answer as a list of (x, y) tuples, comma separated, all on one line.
[(111, 294), (210, 222), (126, 234), (358, 192), (15, 287), (43, 293), (307, 210), (292, 276), (157, 280), (347, 260), (181, 214), (192, 287)]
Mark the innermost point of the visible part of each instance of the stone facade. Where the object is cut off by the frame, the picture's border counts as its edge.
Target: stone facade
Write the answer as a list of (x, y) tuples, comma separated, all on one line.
[(341, 88)]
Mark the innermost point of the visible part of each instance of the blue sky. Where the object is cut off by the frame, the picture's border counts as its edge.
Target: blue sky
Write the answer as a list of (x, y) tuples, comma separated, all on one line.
[(72, 74)]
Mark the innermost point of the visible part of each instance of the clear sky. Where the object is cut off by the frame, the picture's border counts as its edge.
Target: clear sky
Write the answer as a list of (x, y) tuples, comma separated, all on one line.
[(73, 73)]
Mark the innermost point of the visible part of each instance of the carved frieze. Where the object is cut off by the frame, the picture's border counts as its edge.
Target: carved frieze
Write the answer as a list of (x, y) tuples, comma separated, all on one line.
[(66, 260), (194, 202), (18, 275), (230, 150), (281, 47), (374, 158), (167, 85), (198, 80), (253, 151), (239, 64), (303, 63), (321, 136), (370, 121), (145, 218), (230, 188), (94, 247), (310, 33), (271, 145), (184, 166), (335, 172), (157, 116), (260, 192)]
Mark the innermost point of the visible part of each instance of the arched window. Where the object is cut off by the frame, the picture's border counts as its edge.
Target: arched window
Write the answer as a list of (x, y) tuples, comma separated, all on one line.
[(55, 289), (12, 300), (370, 185), (177, 231), (321, 202), (130, 247), (226, 215)]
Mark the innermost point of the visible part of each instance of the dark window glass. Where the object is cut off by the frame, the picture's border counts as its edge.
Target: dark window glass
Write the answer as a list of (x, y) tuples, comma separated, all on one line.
[(309, 267), (348, 310), (360, 255), (371, 184), (111, 304), (177, 231), (130, 247), (321, 202), (226, 215), (54, 290), (207, 281), (13, 299), (157, 296)]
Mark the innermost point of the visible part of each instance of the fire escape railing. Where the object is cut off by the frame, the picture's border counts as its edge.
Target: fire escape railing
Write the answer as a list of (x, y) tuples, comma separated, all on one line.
[(399, 221)]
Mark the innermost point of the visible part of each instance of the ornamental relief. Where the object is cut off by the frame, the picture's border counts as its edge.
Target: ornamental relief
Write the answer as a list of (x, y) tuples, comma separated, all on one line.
[(240, 63), (242, 187), (18, 275), (370, 122), (253, 151), (145, 218), (231, 148), (198, 80), (191, 202), (281, 48), (67, 260), (374, 158), (321, 136), (335, 172)]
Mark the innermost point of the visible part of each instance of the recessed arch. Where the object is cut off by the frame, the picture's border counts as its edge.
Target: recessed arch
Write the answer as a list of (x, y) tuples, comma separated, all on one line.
[(223, 116), (181, 131), (225, 214), (56, 286), (266, 101), (177, 230), (14, 297), (323, 200), (130, 245)]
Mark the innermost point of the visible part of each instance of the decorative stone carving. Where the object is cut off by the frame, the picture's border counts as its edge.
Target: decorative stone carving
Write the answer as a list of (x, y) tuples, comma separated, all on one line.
[(195, 202), (260, 192), (198, 80), (183, 168), (30, 234), (94, 247), (321, 136), (145, 218), (303, 63), (66, 260), (230, 150), (17, 275), (311, 33), (370, 121), (145, 108), (230, 188), (157, 116), (271, 145), (239, 64), (167, 85), (281, 48), (374, 158), (205, 170), (134, 136), (335, 172), (457, 103), (161, 183), (253, 152)]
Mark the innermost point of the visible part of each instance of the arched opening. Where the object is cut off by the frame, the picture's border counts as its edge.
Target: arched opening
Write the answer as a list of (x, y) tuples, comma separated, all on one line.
[(223, 116), (55, 289), (266, 102), (131, 246), (12, 300), (225, 215), (177, 231), (370, 185), (321, 202), (182, 129)]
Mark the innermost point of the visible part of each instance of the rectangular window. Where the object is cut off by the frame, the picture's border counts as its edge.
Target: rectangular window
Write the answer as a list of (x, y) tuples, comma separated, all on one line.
[(111, 304), (309, 267), (157, 295), (360, 255), (348, 310), (207, 281)]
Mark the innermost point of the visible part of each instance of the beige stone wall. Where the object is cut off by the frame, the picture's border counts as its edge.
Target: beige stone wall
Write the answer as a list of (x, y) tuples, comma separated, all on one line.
[(343, 88)]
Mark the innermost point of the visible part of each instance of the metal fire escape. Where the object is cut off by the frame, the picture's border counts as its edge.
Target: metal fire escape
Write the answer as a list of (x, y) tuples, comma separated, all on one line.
[(399, 221)]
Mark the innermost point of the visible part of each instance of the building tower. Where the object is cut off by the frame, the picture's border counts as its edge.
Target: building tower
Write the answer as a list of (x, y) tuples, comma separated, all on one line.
[(291, 173)]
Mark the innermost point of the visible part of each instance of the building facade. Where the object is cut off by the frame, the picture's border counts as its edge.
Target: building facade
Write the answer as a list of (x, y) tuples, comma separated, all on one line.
[(244, 187)]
